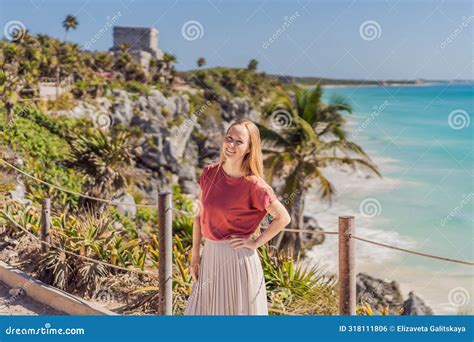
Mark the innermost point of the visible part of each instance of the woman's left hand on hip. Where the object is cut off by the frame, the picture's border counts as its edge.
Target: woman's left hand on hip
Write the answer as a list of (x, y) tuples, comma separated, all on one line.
[(240, 242)]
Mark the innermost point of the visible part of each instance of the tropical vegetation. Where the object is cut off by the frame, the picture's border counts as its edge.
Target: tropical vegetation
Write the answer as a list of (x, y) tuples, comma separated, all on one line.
[(74, 154)]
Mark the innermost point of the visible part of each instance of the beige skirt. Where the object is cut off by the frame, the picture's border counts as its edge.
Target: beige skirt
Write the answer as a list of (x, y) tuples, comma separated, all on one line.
[(230, 282)]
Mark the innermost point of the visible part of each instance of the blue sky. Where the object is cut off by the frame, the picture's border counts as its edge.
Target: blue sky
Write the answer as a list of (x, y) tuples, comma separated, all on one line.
[(321, 38)]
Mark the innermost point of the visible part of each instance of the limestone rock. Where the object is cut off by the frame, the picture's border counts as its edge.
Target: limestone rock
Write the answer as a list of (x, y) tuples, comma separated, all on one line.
[(122, 107), (312, 239), (128, 207), (415, 306), (380, 294), (19, 194)]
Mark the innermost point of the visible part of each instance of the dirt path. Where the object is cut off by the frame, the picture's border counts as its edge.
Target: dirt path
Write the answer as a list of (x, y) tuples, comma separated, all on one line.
[(23, 305)]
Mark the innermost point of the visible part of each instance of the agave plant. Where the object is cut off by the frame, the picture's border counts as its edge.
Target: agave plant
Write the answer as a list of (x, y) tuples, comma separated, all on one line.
[(25, 215), (56, 267), (91, 233), (137, 257), (295, 287), (117, 249), (281, 271), (181, 277)]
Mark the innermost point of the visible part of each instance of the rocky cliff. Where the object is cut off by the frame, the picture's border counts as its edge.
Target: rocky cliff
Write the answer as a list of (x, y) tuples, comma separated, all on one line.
[(380, 295)]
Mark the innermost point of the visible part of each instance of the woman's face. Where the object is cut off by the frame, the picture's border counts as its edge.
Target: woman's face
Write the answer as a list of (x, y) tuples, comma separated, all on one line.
[(236, 142)]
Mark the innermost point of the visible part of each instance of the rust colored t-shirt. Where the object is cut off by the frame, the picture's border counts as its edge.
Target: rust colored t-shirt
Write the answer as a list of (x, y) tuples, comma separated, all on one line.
[(231, 206)]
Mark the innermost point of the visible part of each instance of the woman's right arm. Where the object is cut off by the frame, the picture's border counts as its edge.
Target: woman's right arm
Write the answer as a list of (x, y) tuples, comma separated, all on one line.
[(195, 252)]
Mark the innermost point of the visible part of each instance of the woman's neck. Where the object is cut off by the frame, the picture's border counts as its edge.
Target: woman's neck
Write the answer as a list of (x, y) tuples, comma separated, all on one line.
[(233, 168)]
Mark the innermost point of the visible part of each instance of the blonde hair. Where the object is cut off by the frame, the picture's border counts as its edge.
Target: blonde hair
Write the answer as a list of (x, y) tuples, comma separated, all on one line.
[(252, 163)]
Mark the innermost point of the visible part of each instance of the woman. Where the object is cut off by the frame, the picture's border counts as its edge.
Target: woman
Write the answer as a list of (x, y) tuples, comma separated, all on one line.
[(228, 277)]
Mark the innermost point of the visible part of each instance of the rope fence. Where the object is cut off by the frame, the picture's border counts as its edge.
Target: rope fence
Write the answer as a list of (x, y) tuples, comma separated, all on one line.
[(413, 252), (19, 226), (190, 214), (347, 238), (309, 231), (73, 192)]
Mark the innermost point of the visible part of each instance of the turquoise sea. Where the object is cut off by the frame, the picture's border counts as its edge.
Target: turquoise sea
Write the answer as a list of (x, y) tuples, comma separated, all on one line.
[(422, 139)]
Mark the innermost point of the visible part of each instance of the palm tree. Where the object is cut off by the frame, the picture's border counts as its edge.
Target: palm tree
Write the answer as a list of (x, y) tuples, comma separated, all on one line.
[(252, 66), (201, 62), (104, 159), (70, 23), (169, 59), (306, 136), (13, 74)]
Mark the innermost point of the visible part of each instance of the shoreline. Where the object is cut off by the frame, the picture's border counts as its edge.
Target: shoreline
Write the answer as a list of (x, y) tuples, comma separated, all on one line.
[(331, 86), (388, 85), (378, 262)]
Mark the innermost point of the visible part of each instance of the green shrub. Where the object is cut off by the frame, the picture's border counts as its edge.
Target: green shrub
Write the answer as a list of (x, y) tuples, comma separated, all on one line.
[(137, 87)]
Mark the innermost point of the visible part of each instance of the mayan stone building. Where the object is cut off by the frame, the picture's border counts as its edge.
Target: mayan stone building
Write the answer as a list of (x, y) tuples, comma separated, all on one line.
[(141, 41)]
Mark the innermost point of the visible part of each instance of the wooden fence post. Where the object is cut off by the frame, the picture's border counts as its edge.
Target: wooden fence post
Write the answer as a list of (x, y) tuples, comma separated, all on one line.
[(347, 271), (45, 222), (165, 252)]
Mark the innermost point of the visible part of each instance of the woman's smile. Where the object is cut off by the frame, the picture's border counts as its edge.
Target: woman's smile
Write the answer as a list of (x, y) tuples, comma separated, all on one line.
[(229, 152)]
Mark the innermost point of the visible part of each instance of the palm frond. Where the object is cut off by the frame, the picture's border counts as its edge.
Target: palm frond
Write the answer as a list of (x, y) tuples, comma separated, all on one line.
[(312, 104), (352, 162), (275, 164), (326, 189), (307, 132), (339, 103), (275, 137), (345, 146)]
